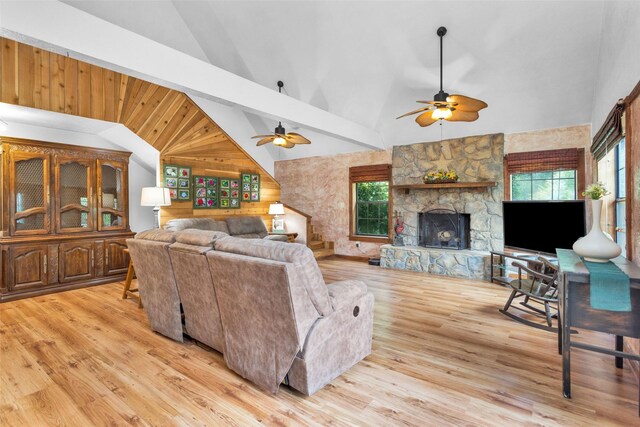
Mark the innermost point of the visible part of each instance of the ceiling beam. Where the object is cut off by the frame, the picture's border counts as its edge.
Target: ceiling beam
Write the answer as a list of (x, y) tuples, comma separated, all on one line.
[(64, 29)]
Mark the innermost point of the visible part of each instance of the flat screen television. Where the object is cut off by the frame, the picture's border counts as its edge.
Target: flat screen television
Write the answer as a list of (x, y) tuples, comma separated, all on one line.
[(543, 226)]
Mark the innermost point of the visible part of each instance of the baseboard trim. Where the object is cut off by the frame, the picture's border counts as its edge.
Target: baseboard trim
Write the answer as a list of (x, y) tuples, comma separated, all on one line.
[(353, 257)]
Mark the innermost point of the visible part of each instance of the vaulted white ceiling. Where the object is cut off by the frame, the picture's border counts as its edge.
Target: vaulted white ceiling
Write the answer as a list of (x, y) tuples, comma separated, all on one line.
[(535, 63)]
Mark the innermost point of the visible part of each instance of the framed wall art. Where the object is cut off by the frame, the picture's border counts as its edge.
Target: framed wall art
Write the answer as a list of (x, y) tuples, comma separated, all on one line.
[(178, 180), (250, 183), (205, 192), (229, 193)]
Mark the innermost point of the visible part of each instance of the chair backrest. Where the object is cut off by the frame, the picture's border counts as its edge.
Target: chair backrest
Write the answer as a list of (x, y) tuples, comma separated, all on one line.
[(256, 301), (247, 227), (195, 285), (156, 282), (552, 284), (541, 282), (179, 224), (306, 266)]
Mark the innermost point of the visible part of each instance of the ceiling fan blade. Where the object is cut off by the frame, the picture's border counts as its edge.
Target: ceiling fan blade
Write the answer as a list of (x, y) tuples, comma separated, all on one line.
[(463, 116), (261, 136), (426, 119), (296, 138), (289, 144), (266, 140), (466, 103), (416, 111)]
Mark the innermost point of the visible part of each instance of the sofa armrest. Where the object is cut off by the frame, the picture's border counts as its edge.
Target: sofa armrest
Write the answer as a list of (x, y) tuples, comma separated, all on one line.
[(276, 238), (345, 292)]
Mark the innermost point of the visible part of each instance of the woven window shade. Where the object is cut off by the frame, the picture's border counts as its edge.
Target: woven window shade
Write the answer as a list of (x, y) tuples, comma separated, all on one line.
[(370, 173), (541, 161), (610, 133)]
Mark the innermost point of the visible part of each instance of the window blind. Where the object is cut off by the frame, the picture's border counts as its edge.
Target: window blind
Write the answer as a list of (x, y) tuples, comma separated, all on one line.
[(370, 173), (610, 133), (542, 161)]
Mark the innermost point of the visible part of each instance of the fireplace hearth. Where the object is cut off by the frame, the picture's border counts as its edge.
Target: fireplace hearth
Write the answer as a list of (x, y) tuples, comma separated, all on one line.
[(444, 228)]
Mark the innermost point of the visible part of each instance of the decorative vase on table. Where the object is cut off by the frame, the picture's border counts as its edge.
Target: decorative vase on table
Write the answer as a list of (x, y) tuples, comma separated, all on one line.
[(596, 246)]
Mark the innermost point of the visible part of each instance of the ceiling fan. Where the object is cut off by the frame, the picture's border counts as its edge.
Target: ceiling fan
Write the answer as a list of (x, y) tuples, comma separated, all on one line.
[(279, 137), (453, 108)]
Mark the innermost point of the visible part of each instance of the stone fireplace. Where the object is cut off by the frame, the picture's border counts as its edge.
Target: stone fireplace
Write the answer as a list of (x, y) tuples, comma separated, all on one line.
[(475, 159)]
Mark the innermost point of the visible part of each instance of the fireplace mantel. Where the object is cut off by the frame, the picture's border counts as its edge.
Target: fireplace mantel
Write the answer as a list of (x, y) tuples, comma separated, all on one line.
[(479, 184)]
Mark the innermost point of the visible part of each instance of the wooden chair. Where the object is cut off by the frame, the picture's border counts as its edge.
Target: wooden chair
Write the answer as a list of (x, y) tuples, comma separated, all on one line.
[(539, 287), (127, 292)]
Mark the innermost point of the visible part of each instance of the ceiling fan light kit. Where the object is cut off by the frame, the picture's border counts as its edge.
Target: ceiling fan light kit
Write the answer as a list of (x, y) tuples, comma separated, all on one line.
[(453, 108), (280, 137)]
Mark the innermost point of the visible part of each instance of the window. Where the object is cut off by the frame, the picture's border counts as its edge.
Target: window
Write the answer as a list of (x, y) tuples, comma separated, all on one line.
[(551, 185), (370, 202), (545, 175), (620, 194), (372, 208)]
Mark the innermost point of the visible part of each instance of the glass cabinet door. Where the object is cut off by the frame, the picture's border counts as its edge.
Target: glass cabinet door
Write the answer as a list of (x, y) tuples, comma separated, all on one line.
[(29, 193), (112, 195), (74, 189)]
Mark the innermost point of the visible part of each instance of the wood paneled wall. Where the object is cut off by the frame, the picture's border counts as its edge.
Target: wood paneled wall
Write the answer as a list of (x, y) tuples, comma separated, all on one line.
[(165, 118)]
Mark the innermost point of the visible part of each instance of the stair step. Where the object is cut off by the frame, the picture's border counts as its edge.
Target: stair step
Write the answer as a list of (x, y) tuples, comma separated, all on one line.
[(317, 244), (323, 253)]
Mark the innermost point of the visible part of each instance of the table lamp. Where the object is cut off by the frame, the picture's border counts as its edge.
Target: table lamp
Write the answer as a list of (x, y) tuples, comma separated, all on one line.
[(277, 209), (156, 197)]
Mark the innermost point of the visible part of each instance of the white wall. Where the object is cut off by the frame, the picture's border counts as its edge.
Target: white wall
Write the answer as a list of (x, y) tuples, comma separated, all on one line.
[(619, 58), (140, 218)]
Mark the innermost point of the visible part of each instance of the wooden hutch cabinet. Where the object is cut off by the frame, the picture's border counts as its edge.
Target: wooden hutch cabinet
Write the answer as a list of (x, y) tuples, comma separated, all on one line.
[(65, 217)]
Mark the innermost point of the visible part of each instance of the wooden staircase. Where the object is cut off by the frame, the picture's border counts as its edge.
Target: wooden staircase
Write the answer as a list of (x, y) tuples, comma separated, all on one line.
[(320, 247)]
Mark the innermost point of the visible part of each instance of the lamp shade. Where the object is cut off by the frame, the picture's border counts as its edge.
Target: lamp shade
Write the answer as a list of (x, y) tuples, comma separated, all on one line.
[(276, 209), (155, 196)]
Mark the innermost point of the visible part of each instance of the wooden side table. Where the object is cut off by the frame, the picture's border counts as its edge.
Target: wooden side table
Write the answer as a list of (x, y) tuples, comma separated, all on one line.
[(576, 312), (127, 291), (291, 237)]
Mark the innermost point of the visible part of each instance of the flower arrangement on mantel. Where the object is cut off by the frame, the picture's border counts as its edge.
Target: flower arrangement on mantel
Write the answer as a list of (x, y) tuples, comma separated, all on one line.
[(440, 177)]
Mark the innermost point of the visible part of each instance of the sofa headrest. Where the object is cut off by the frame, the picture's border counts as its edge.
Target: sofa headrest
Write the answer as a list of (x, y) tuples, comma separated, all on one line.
[(210, 224), (157, 235), (199, 237), (301, 256), (262, 248), (246, 225), (182, 247)]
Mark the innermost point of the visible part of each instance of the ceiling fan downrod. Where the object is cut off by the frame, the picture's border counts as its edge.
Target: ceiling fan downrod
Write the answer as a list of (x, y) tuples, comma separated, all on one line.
[(442, 95), (279, 128)]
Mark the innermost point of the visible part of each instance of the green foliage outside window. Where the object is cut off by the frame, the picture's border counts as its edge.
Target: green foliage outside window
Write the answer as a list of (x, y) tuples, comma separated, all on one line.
[(555, 185), (372, 208)]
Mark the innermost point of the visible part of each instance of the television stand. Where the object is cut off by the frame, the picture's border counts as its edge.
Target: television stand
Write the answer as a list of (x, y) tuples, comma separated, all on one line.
[(500, 266)]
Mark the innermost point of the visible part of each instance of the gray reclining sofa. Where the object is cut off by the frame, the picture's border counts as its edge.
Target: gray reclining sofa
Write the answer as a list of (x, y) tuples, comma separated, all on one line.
[(263, 304)]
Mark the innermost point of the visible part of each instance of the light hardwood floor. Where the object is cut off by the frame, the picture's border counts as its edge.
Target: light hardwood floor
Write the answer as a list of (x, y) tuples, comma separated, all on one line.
[(442, 355)]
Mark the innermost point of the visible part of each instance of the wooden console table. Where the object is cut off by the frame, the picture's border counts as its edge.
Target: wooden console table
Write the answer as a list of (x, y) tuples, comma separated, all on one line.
[(576, 312), (499, 266), (291, 237)]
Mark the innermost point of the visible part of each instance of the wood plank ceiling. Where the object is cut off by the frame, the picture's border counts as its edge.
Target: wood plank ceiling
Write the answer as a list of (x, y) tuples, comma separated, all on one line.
[(167, 119)]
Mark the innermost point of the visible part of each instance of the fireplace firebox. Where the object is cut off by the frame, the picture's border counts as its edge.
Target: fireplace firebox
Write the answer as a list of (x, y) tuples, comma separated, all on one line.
[(444, 228)]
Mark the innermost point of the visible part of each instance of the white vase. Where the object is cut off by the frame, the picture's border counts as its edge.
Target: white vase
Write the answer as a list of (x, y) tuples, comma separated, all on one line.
[(596, 246)]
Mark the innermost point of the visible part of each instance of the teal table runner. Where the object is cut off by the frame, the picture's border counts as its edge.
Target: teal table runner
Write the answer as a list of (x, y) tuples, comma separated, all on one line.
[(610, 287)]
